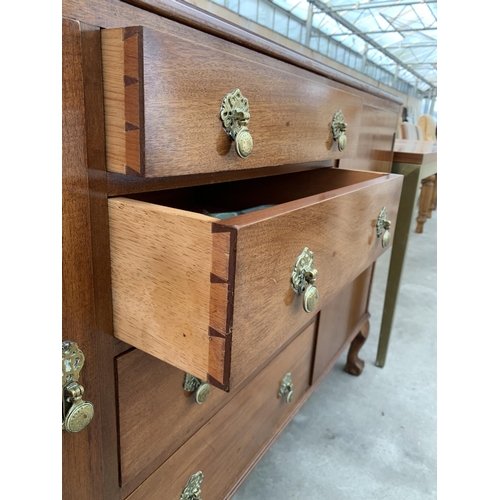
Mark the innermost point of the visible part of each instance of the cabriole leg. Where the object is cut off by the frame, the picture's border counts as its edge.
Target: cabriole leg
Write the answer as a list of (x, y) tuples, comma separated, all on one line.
[(354, 364)]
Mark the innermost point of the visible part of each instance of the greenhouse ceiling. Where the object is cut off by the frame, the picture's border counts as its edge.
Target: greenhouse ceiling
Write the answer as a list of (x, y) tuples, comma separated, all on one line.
[(394, 42), (398, 34)]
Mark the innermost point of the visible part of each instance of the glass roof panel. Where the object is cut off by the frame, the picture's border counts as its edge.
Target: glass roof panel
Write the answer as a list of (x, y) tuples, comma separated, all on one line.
[(401, 35), (403, 32)]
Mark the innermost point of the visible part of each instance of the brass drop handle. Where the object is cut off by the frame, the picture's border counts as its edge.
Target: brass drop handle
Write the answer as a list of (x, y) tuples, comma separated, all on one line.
[(200, 388), (192, 490), (235, 115), (339, 128), (383, 226), (286, 388), (76, 413), (304, 278)]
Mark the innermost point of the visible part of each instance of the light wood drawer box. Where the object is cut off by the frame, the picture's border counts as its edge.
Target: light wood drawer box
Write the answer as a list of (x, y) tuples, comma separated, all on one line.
[(214, 297), (226, 446), (162, 117)]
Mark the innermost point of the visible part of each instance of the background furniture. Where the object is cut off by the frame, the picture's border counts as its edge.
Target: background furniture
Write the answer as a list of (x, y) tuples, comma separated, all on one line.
[(198, 351), (417, 161)]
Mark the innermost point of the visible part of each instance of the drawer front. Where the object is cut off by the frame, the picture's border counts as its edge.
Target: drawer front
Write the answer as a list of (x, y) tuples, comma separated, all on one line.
[(156, 415), (214, 298), (227, 445), (342, 234), (163, 96)]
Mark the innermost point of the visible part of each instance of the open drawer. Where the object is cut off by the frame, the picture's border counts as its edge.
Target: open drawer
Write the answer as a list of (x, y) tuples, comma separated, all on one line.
[(214, 297)]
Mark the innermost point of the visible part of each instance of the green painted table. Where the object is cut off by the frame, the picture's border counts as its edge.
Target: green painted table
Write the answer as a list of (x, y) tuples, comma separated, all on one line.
[(417, 161)]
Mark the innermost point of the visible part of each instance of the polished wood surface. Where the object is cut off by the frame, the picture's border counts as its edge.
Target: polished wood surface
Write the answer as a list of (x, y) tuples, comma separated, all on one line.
[(123, 100), (355, 364), (339, 227), (90, 463), (415, 152), (153, 427), (181, 113), (205, 295), (91, 459), (223, 448), (191, 15), (161, 260), (376, 138)]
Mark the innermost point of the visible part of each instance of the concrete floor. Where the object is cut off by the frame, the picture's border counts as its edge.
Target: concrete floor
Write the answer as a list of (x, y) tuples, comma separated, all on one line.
[(373, 436)]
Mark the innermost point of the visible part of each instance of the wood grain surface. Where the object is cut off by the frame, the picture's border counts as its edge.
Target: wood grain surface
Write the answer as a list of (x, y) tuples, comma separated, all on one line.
[(214, 297), (339, 320), (153, 427), (376, 138), (156, 415), (191, 15), (89, 458), (224, 447), (161, 260), (339, 227), (183, 132), (123, 100), (415, 152)]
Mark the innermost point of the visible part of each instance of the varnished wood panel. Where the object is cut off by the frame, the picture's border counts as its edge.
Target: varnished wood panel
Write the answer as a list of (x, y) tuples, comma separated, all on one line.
[(156, 415), (192, 15), (339, 228), (89, 458), (339, 320), (214, 297), (161, 261), (182, 132), (415, 152), (224, 447), (376, 138)]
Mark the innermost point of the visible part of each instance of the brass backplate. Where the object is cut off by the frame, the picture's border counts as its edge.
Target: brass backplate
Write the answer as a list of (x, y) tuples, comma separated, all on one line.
[(339, 129), (192, 490), (76, 413), (235, 116)]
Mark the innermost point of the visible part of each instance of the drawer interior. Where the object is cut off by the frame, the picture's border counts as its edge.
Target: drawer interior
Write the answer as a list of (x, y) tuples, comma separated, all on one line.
[(245, 195)]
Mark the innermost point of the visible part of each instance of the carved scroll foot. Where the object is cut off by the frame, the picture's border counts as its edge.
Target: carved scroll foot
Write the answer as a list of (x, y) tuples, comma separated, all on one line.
[(354, 364)]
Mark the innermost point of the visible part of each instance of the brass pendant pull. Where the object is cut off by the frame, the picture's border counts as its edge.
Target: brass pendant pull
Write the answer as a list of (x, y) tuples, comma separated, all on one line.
[(192, 490), (383, 226), (235, 115), (303, 279), (200, 388), (286, 388), (339, 127), (76, 413)]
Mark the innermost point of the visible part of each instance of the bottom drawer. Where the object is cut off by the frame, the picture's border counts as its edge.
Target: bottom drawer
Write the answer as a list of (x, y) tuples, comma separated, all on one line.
[(225, 447)]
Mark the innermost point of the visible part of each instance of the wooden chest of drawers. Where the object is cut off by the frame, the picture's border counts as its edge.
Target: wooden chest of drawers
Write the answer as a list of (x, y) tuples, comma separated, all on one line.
[(185, 259)]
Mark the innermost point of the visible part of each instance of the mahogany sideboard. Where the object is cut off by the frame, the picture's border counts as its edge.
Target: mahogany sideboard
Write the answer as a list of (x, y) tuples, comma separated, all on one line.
[(224, 202)]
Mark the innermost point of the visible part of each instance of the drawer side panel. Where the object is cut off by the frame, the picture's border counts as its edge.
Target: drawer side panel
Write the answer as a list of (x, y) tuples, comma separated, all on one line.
[(161, 260)]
